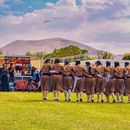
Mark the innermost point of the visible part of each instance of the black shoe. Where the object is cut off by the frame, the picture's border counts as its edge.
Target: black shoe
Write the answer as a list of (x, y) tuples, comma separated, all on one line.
[(122, 101), (92, 101), (81, 100), (57, 100), (102, 101), (44, 98), (77, 100), (69, 100), (114, 101), (65, 100)]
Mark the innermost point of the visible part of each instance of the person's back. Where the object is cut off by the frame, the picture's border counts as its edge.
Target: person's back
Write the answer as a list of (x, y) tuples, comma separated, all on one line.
[(58, 68), (119, 71), (110, 70), (109, 81), (68, 69), (45, 78), (119, 84), (79, 80), (101, 70), (79, 70), (57, 78), (46, 68), (100, 80)]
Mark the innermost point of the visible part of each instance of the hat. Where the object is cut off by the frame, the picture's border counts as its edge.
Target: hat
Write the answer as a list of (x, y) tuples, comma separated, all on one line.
[(88, 63), (108, 63), (77, 62), (66, 62), (117, 64), (57, 60), (126, 64), (98, 63), (47, 60)]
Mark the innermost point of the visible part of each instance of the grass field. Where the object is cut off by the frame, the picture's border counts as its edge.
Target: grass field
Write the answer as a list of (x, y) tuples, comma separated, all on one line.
[(26, 111)]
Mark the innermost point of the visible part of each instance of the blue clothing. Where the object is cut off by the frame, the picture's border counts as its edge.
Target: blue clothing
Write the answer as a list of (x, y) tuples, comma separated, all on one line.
[(36, 76)]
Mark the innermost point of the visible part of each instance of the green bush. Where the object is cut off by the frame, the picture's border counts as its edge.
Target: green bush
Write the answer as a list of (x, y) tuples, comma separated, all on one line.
[(126, 56), (66, 51)]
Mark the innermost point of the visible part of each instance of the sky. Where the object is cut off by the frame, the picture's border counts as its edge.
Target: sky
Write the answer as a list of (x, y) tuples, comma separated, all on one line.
[(103, 24)]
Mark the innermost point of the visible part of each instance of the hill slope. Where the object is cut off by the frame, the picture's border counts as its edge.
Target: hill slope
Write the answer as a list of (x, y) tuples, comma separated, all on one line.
[(20, 47)]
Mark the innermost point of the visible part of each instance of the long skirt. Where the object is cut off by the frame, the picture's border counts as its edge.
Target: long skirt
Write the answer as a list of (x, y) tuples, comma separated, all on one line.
[(57, 82), (90, 84), (100, 85), (45, 83), (119, 86)]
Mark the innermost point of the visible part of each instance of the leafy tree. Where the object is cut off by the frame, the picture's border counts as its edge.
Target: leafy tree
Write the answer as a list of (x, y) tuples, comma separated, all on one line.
[(37, 54), (126, 56), (29, 53), (105, 55), (70, 50), (1, 52)]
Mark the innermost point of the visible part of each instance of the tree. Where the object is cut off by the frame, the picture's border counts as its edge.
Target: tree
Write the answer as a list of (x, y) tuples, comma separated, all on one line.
[(70, 50), (126, 56), (105, 55), (1, 52), (37, 54), (29, 53), (40, 54)]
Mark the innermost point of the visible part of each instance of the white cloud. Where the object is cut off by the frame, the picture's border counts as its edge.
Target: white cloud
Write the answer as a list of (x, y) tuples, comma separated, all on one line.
[(2, 2), (71, 21)]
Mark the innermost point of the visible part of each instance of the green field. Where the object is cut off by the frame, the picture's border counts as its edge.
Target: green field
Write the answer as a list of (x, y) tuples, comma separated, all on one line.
[(26, 111)]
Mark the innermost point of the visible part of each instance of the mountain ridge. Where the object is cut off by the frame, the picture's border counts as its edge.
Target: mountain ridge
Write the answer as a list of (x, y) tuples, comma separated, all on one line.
[(20, 47)]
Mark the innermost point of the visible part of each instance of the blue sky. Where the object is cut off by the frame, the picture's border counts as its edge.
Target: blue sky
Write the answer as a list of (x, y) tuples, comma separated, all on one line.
[(20, 7), (103, 24)]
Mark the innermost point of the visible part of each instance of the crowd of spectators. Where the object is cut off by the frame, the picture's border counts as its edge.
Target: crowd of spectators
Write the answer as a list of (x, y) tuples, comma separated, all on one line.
[(7, 74)]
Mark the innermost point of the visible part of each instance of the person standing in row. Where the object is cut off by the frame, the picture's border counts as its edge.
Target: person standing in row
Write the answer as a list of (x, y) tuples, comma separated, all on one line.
[(57, 78), (45, 79), (67, 80), (79, 73), (90, 82), (110, 83), (100, 80), (127, 80), (119, 85)]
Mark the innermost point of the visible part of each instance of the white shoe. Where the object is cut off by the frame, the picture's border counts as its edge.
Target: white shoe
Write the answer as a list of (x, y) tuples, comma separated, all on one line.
[(118, 101), (122, 101)]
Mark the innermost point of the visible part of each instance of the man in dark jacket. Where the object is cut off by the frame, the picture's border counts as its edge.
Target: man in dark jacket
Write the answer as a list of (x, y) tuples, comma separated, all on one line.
[(4, 78)]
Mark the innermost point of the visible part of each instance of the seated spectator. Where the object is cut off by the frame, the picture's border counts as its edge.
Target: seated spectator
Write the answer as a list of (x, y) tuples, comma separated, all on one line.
[(36, 76)]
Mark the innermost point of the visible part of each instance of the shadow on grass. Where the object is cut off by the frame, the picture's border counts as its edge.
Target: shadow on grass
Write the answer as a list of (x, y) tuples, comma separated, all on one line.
[(62, 101)]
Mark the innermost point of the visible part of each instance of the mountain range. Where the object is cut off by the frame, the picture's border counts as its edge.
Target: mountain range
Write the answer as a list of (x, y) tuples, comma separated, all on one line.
[(20, 47)]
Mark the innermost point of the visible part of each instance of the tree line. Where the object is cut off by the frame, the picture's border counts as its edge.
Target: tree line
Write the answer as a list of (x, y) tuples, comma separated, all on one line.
[(72, 50)]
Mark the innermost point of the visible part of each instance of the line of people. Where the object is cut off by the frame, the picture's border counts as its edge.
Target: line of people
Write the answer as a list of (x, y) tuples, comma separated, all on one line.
[(93, 78)]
